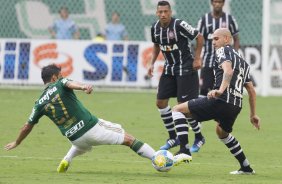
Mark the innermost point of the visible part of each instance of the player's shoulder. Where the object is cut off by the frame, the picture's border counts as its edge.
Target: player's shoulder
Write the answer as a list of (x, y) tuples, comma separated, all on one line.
[(155, 24), (228, 48), (229, 16), (63, 80), (223, 49), (206, 15)]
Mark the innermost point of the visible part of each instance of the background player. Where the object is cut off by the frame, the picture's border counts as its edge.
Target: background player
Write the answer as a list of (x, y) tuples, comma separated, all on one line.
[(207, 25), (224, 102), (84, 130), (180, 77)]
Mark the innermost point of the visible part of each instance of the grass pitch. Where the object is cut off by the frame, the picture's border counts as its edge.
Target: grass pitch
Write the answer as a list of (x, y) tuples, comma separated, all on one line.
[(36, 159)]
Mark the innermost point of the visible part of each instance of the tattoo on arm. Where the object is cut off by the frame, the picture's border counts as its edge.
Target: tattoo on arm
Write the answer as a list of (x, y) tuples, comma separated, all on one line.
[(227, 77)]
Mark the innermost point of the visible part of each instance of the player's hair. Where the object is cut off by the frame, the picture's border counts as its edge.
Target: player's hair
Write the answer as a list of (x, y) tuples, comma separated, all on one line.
[(63, 8), (48, 71), (164, 3), (212, 1)]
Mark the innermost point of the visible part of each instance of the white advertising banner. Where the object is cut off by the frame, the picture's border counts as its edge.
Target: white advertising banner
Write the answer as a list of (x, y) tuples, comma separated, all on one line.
[(120, 64), (104, 64)]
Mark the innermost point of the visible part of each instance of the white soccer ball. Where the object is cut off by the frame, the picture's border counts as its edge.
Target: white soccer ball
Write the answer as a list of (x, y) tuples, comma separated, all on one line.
[(162, 160)]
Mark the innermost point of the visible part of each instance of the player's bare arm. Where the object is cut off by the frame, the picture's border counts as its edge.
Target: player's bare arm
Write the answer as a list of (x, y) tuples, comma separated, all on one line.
[(155, 53), (25, 130), (197, 64), (255, 120), (87, 88), (236, 42), (227, 76)]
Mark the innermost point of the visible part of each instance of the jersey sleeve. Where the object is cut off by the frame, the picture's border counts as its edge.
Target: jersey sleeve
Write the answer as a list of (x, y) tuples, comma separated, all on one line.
[(35, 115), (187, 30), (248, 78), (63, 81), (201, 26), (153, 34), (222, 54), (233, 26)]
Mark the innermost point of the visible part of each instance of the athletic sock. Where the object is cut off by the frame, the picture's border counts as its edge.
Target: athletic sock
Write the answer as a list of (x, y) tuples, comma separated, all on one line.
[(73, 152), (181, 127), (166, 116), (142, 149), (196, 127), (236, 150)]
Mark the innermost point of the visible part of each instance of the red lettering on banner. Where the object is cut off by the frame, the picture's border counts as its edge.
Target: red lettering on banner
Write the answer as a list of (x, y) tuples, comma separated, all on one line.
[(49, 51)]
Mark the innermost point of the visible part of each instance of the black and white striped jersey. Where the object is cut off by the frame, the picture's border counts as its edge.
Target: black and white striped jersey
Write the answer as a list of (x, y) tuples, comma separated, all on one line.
[(207, 25), (174, 42), (241, 74)]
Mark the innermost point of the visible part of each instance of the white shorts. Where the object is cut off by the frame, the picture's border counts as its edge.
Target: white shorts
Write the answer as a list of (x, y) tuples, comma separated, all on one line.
[(103, 133)]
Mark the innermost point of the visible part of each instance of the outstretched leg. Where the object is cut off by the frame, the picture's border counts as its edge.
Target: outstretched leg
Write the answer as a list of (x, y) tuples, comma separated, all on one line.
[(234, 146), (65, 163), (142, 149)]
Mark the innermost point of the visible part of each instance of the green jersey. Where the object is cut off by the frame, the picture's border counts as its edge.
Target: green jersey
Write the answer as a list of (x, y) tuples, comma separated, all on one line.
[(60, 104)]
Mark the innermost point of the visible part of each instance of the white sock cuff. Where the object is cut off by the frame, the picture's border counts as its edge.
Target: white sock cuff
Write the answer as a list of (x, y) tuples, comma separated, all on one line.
[(165, 110), (178, 115), (227, 139)]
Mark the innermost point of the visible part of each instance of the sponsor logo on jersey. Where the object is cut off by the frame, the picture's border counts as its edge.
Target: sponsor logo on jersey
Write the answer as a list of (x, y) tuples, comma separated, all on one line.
[(64, 81), (74, 129), (168, 47), (48, 94), (188, 27), (220, 54)]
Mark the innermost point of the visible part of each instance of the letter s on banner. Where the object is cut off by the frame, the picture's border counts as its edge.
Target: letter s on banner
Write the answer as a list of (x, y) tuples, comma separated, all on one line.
[(101, 69)]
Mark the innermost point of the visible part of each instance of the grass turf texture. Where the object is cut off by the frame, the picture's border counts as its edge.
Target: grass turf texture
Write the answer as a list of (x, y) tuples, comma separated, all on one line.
[(36, 159)]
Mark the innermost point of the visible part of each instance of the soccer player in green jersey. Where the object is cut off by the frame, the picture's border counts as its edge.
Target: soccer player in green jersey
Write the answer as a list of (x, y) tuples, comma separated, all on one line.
[(84, 130)]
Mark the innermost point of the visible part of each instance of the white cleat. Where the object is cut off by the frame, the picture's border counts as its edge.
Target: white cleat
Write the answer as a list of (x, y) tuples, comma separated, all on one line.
[(240, 172), (181, 158)]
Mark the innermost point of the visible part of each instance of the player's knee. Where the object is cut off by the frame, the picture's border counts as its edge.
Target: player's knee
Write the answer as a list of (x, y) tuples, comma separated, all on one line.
[(175, 109), (128, 139), (220, 132), (161, 104)]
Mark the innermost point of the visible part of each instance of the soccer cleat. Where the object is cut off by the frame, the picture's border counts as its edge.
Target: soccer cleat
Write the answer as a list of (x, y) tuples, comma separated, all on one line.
[(170, 143), (243, 171), (63, 167), (181, 158), (198, 143)]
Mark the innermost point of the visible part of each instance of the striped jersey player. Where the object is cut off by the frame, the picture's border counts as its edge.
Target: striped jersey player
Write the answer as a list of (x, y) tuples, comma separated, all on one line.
[(179, 78), (207, 24), (224, 103), (241, 75)]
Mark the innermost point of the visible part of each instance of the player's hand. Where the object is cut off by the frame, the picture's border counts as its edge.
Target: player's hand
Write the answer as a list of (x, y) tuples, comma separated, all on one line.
[(11, 145), (255, 120), (197, 63), (88, 88), (150, 71), (214, 94)]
